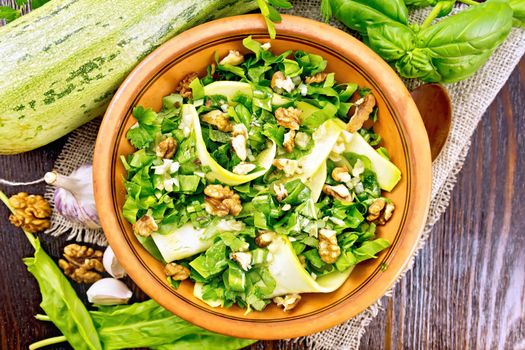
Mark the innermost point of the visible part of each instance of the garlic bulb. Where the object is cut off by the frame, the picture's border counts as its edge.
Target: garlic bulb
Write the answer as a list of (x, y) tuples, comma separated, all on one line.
[(112, 265), (108, 291), (74, 197)]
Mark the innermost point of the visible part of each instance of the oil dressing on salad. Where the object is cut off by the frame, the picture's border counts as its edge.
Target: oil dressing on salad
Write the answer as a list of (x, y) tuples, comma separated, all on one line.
[(261, 180)]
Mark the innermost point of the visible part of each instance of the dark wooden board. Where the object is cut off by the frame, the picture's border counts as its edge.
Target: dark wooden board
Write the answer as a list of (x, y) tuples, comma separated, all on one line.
[(467, 287)]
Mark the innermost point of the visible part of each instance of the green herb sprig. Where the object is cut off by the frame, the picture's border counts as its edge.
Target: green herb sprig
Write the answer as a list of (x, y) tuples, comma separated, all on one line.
[(448, 51)]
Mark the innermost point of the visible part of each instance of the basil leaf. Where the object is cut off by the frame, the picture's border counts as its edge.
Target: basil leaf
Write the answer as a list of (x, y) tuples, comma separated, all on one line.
[(417, 64), (518, 7), (360, 14), (61, 303), (452, 69), (470, 32), (391, 40)]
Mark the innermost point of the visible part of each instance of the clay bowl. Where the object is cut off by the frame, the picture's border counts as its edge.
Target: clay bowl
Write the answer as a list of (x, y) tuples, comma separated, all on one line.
[(399, 123)]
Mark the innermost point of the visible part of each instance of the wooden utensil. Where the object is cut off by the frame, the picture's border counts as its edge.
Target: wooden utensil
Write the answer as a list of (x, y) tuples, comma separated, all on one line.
[(435, 107)]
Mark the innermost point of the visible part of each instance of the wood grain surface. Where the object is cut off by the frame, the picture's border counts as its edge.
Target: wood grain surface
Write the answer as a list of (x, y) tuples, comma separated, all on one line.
[(467, 287)]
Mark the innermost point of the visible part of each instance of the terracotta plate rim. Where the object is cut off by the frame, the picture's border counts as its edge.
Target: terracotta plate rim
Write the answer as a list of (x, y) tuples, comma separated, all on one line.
[(323, 35)]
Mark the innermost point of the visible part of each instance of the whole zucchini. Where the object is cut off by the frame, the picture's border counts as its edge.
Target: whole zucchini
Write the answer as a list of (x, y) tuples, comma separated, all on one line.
[(61, 64)]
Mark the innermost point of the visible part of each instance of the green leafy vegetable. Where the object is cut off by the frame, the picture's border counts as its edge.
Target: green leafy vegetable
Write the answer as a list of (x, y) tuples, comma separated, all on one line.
[(448, 51), (144, 324), (147, 324)]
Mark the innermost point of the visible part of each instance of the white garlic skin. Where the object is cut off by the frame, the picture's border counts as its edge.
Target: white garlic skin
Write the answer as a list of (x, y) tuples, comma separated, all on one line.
[(74, 198), (108, 291), (112, 265)]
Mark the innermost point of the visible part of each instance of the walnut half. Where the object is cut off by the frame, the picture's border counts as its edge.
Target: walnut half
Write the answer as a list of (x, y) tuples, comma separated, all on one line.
[(221, 201), (288, 117), (218, 119), (166, 149), (363, 108), (176, 272), (380, 211), (339, 192), (82, 264), (32, 212), (329, 250), (145, 226)]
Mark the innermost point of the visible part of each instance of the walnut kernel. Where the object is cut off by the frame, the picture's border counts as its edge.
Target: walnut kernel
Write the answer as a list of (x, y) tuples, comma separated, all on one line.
[(218, 119), (288, 302), (363, 108), (341, 174), (386, 214), (221, 201), (176, 272), (265, 238), (288, 117), (82, 264), (329, 250), (184, 88), (145, 226), (276, 77), (339, 192), (243, 258), (374, 210), (32, 212), (166, 148), (316, 78)]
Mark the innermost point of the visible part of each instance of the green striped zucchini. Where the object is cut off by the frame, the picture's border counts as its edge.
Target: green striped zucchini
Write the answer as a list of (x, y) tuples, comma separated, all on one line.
[(61, 63)]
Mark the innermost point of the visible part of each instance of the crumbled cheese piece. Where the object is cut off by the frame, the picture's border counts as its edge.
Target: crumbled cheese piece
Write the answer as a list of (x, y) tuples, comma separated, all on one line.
[(233, 58), (303, 89), (243, 258), (168, 166), (302, 139), (186, 124), (230, 225), (286, 84), (243, 168), (224, 107), (266, 46), (359, 168), (286, 207), (170, 183)]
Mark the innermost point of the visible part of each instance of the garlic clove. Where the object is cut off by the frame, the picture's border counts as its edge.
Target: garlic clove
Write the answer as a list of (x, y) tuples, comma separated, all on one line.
[(74, 197), (112, 265), (108, 291)]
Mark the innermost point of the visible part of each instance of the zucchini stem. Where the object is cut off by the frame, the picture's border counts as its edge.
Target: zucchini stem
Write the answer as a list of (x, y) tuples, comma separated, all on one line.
[(433, 15), (46, 342)]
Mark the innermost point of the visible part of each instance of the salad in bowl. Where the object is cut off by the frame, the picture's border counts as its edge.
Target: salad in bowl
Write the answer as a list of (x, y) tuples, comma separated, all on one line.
[(260, 180)]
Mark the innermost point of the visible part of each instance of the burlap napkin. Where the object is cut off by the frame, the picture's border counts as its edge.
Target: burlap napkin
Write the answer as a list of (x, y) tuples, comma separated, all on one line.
[(470, 99)]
